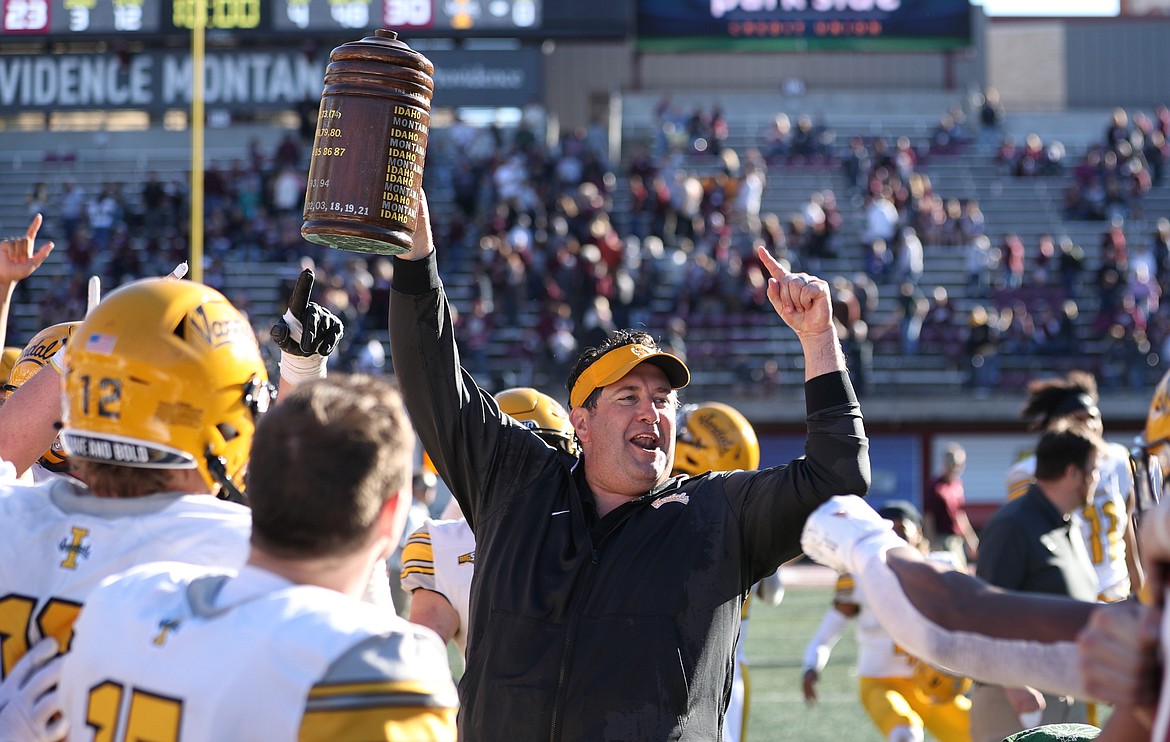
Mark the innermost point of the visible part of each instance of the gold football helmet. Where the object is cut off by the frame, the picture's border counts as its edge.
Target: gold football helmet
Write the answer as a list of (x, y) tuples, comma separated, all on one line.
[(541, 414), (43, 346), (714, 437), (938, 685), (1150, 457), (166, 374), (8, 360), (1157, 437)]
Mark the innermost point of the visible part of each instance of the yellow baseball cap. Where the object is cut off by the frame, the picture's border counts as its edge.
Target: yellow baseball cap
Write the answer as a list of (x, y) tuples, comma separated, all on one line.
[(620, 361)]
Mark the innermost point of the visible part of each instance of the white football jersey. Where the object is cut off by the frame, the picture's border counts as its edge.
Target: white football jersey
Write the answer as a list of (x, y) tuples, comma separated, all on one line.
[(60, 542), (440, 557), (173, 651), (877, 654), (1103, 521)]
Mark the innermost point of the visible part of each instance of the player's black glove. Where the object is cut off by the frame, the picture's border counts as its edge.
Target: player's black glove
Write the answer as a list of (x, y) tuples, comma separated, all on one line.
[(307, 328)]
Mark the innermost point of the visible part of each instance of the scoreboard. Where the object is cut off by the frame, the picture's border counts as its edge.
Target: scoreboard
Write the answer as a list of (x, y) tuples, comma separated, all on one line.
[(69, 17), (66, 18), (450, 15)]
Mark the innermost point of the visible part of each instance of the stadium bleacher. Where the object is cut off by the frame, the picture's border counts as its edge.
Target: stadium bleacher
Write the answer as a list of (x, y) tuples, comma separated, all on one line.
[(723, 358)]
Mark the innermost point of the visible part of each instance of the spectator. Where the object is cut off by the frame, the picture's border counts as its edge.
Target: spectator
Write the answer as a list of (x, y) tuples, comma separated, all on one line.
[(940, 334), (881, 218), (980, 261), (855, 164), (944, 508), (103, 212), (849, 320), (991, 116), (908, 259), (982, 348), (912, 308), (1012, 260), (1045, 263), (1061, 334), (72, 208), (1072, 264), (778, 139)]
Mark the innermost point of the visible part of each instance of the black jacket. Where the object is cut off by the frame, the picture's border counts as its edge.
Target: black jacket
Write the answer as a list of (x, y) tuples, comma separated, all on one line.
[(621, 628)]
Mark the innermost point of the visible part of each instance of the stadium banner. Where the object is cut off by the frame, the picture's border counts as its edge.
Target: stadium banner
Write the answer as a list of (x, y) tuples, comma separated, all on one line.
[(265, 79), (489, 78), (803, 25), (895, 462)]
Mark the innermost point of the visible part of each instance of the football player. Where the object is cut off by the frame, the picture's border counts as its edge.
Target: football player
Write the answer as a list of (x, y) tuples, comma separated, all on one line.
[(282, 648), (163, 387), (716, 437), (902, 695), (1105, 522), (439, 558)]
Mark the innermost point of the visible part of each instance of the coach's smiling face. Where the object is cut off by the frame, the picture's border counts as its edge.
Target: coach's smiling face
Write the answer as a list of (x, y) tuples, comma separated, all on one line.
[(628, 439)]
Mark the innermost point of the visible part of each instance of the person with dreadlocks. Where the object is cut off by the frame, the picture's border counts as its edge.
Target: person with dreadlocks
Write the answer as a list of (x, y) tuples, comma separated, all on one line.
[(1105, 522)]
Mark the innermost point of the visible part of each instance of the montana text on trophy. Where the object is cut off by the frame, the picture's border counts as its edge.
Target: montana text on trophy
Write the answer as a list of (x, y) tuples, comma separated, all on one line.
[(366, 171)]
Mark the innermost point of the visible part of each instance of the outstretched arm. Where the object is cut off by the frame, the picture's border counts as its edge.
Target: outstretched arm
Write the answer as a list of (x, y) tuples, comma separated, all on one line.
[(947, 617)]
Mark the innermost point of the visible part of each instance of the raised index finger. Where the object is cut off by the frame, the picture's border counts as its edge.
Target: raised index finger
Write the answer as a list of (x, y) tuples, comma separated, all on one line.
[(299, 301), (34, 226), (774, 266)]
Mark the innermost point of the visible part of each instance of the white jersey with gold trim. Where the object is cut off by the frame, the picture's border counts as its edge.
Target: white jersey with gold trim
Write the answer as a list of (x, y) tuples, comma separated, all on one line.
[(172, 651), (440, 556), (1103, 521), (60, 542), (877, 654)]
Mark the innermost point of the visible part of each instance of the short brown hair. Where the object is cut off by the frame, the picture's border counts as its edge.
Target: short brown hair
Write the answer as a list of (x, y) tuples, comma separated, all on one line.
[(1062, 444), (324, 461), (115, 480)]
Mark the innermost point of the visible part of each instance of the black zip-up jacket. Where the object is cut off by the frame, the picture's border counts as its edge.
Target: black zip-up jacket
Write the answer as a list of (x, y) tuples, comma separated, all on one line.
[(619, 628)]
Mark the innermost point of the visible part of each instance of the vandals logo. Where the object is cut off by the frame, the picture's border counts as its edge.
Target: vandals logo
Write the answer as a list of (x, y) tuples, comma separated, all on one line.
[(74, 547), (166, 627), (218, 331), (682, 497)]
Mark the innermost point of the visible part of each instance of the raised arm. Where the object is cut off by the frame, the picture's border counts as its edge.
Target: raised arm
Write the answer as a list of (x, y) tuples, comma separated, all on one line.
[(459, 424), (18, 260), (306, 334), (803, 302)]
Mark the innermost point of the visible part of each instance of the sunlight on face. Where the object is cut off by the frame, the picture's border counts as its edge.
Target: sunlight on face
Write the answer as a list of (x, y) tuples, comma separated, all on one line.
[(628, 441)]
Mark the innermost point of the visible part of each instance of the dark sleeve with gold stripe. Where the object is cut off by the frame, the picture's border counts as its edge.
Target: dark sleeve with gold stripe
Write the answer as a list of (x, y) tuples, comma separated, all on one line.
[(389, 687)]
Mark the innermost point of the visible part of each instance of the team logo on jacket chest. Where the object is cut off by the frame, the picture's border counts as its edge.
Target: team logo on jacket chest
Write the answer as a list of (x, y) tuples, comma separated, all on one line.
[(682, 497)]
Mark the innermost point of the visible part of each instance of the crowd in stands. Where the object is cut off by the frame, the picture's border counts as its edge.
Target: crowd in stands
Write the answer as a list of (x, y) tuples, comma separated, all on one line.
[(559, 245)]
